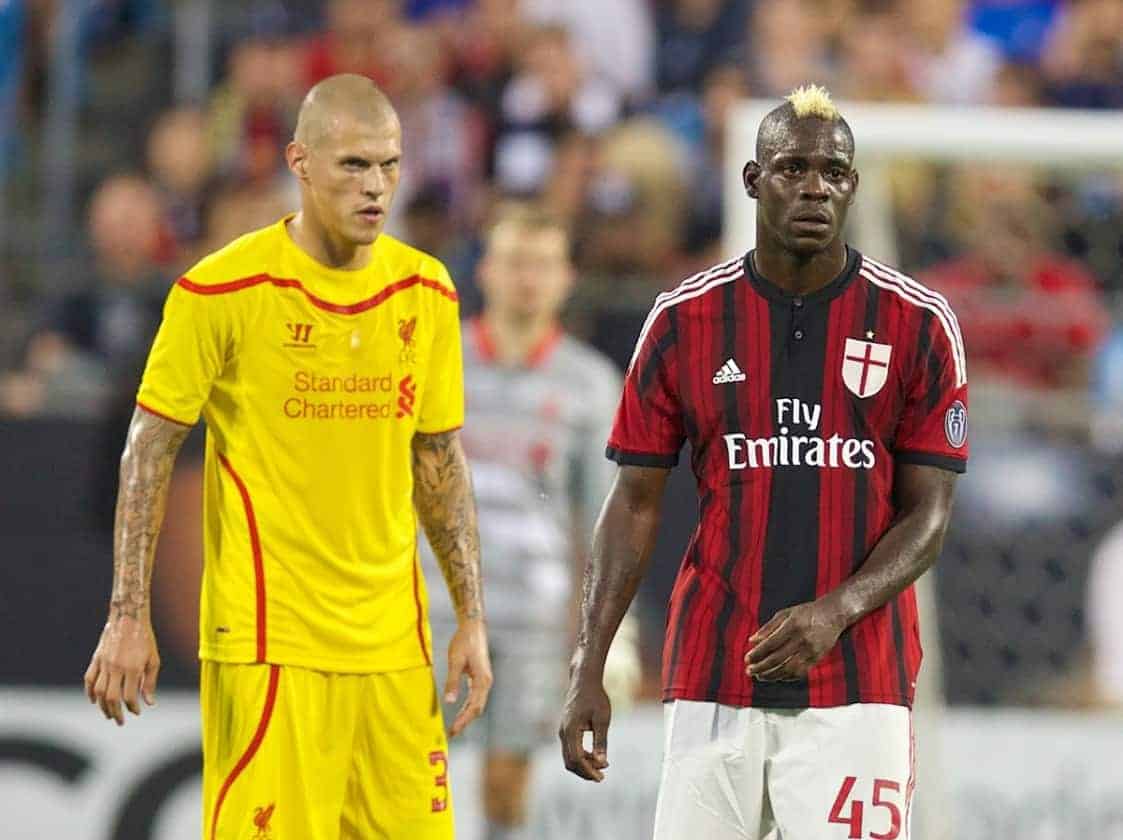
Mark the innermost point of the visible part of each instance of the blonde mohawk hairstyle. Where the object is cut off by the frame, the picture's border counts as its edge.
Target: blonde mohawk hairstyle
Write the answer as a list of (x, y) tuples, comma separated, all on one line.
[(813, 101)]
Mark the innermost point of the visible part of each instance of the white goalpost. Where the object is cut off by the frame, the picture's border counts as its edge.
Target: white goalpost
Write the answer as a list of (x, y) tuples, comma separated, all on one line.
[(1055, 138)]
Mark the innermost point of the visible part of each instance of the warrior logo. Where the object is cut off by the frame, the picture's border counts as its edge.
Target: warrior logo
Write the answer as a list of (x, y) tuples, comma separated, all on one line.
[(300, 335)]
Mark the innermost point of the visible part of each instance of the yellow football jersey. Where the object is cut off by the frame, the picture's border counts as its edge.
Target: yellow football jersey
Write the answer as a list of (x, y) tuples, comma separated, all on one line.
[(312, 382)]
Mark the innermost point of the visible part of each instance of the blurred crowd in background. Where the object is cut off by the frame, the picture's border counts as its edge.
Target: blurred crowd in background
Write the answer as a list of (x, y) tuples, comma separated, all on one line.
[(611, 112)]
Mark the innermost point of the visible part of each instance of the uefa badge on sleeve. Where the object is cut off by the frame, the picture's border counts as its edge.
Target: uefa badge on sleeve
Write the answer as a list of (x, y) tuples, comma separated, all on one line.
[(955, 424)]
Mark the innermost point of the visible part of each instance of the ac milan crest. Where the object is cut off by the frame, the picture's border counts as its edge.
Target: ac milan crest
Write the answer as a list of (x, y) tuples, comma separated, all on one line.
[(865, 366)]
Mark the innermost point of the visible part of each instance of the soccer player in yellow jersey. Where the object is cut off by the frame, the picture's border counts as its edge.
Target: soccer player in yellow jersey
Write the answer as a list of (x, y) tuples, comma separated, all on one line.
[(325, 357)]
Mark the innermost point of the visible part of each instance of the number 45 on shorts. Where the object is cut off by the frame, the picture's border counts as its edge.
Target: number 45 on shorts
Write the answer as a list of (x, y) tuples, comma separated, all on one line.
[(886, 795)]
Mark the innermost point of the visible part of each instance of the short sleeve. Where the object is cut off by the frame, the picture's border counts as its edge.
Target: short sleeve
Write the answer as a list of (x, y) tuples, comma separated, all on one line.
[(189, 353), (594, 472), (933, 427), (442, 403), (648, 428)]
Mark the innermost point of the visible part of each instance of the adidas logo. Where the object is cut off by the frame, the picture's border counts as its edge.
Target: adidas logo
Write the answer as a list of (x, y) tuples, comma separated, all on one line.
[(729, 372)]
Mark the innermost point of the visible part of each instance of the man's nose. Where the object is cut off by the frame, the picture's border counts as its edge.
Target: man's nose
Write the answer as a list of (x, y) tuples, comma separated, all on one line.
[(814, 185), (374, 182)]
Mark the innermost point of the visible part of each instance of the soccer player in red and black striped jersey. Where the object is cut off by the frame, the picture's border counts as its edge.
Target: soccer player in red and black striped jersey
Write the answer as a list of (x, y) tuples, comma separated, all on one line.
[(824, 396)]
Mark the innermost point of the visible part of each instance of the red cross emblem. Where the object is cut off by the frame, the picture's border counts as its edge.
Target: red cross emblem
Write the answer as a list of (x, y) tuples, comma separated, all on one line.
[(865, 366)]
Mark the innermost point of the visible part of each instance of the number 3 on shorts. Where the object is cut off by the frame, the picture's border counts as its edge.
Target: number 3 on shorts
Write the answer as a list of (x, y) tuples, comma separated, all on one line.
[(440, 781), (857, 809)]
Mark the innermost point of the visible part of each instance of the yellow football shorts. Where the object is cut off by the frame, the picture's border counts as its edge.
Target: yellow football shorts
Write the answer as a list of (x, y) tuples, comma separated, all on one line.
[(295, 754)]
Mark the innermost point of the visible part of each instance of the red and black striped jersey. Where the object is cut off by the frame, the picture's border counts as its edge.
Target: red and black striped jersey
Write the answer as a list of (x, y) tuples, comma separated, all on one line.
[(797, 410)]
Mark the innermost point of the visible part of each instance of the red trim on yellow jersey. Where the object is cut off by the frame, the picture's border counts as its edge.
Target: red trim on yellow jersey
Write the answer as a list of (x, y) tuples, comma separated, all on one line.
[(338, 308), (255, 744), (161, 415), (258, 560), (420, 614)]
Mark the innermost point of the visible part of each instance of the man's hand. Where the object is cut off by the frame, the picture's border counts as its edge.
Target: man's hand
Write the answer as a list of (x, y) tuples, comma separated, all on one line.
[(124, 667), (793, 640), (468, 656), (587, 709)]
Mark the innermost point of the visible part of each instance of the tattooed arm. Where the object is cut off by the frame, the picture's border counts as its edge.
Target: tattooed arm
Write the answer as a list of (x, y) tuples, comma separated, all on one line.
[(126, 662), (442, 495)]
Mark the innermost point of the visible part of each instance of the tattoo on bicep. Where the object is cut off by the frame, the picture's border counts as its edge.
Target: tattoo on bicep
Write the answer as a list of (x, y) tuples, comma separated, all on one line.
[(442, 494), (146, 469)]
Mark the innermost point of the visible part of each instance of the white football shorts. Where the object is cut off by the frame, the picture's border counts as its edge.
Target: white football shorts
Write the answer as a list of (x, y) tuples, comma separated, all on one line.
[(840, 773)]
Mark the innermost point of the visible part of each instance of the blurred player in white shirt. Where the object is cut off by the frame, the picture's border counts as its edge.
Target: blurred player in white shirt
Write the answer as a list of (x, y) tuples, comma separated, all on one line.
[(539, 407)]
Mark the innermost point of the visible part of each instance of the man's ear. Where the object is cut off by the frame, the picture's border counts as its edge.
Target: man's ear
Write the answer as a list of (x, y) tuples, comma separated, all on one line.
[(751, 176), (296, 156), (853, 186)]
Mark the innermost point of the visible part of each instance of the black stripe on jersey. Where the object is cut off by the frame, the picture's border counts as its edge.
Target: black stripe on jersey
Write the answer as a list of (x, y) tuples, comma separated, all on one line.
[(791, 544), (928, 459), (736, 491), (861, 489), (932, 398), (651, 367), (694, 550), (639, 459), (894, 612)]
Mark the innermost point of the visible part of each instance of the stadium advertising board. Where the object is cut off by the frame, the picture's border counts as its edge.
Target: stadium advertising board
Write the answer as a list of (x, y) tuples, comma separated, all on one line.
[(66, 773)]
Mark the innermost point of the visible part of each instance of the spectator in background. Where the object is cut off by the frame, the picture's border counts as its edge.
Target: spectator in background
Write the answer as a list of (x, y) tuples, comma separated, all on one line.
[(630, 231), (12, 32), (1032, 320), (240, 209), (693, 36), (358, 38), (446, 137), (179, 161), (724, 87), (483, 49), (93, 341), (872, 58), (948, 62), (1020, 28), (253, 110), (622, 54), (550, 97), (1084, 60), (787, 46)]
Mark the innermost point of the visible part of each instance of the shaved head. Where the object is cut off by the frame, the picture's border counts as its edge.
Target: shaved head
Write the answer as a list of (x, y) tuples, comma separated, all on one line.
[(346, 155), (336, 98)]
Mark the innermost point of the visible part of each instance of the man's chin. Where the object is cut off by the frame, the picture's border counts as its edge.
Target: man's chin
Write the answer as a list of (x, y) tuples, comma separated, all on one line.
[(808, 246)]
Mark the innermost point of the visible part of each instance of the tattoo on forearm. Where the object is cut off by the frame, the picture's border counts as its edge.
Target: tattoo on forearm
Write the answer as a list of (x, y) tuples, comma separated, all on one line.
[(442, 494), (146, 469)]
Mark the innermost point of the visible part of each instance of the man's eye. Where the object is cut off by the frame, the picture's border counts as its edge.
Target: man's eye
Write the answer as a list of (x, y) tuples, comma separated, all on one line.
[(791, 169)]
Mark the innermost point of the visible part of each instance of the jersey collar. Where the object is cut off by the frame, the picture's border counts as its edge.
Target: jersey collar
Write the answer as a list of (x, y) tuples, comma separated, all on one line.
[(830, 291), (538, 356)]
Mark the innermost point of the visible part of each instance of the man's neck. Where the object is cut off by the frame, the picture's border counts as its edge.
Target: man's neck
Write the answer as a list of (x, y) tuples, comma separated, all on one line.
[(515, 340), (797, 274), (314, 240)]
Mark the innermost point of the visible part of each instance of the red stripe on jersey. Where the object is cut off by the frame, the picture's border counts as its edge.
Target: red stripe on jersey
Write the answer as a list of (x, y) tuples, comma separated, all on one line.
[(337, 308), (420, 612), (258, 557), (161, 415), (251, 750)]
